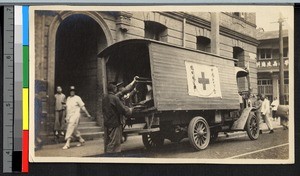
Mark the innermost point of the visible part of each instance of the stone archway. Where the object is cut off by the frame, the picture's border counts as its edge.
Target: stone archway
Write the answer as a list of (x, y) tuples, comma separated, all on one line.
[(52, 53)]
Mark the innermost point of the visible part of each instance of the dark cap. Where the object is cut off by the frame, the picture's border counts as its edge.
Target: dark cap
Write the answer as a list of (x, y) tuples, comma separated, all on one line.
[(72, 88)]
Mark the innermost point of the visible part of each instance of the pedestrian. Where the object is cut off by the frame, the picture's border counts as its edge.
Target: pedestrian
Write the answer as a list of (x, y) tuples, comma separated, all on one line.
[(257, 106), (38, 143), (73, 105), (113, 110), (60, 113), (274, 106), (125, 94), (248, 100), (265, 113)]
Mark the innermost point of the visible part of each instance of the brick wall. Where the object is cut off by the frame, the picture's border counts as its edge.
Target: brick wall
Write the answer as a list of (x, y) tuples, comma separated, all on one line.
[(238, 33)]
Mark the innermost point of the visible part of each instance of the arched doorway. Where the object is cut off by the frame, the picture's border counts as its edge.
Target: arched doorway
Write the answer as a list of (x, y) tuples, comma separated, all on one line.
[(79, 38)]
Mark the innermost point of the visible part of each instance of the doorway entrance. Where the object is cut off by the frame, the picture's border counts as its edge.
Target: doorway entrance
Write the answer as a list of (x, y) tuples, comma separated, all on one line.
[(79, 39)]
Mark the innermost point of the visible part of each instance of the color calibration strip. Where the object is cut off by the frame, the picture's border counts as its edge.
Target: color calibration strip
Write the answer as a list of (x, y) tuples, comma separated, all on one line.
[(25, 134), (18, 77)]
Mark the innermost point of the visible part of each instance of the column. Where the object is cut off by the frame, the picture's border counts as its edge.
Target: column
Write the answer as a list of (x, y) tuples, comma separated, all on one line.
[(123, 23), (215, 35), (275, 79)]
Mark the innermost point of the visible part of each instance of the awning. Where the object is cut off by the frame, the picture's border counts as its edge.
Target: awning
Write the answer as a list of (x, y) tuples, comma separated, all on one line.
[(241, 72)]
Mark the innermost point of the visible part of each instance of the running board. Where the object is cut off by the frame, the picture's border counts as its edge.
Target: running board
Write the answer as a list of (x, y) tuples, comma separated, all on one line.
[(141, 131)]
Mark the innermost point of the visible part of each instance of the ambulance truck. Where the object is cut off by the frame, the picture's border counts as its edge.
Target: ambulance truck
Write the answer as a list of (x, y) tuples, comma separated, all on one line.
[(181, 92)]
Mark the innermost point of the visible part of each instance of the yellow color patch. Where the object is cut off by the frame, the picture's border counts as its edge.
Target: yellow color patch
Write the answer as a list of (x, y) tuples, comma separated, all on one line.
[(25, 109)]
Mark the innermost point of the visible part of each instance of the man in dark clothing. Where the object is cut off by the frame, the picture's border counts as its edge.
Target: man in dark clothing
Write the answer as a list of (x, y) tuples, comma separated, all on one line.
[(37, 121), (257, 105), (113, 109)]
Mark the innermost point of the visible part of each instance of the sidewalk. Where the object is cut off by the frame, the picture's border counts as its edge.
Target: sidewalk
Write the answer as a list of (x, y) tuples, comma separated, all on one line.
[(96, 147)]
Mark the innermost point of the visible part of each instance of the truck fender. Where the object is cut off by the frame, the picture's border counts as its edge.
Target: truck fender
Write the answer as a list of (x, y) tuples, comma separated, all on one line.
[(240, 123)]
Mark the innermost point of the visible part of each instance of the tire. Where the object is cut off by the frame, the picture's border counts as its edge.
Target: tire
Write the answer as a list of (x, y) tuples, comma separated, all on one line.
[(199, 133), (252, 126), (153, 140)]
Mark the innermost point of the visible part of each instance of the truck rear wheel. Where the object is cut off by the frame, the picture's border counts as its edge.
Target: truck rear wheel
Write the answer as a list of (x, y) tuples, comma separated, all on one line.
[(199, 133), (252, 126), (153, 140)]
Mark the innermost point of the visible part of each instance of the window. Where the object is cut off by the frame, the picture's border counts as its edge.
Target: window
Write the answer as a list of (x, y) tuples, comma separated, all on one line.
[(285, 81), (238, 54), (265, 54), (155, 31), (264, 82), (203, 43), (285, 52), (239, 14), (265, 87)]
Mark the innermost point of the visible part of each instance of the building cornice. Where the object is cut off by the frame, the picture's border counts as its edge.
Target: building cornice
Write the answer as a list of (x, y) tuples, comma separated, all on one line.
[(238, 36), (240, 18), (202, 23)]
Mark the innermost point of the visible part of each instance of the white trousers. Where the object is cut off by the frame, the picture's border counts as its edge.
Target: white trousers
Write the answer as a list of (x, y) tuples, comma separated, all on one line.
[(267, 120), (72, 125)]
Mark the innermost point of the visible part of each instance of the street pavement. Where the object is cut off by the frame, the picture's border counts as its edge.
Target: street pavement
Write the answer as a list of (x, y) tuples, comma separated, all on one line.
[(237, 145)]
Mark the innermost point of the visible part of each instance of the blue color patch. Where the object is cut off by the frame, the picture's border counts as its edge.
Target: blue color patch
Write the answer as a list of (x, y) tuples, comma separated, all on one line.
[(25, 25)]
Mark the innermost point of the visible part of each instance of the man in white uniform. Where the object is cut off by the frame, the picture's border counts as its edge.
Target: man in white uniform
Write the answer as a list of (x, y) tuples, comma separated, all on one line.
[(274, 106), (74, 104), (265, 112)]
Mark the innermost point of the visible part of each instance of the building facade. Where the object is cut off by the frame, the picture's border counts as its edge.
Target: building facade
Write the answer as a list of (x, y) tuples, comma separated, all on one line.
[(67, 44), (268, 62)]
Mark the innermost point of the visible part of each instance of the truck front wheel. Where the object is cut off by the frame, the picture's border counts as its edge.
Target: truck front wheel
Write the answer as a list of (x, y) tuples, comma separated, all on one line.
[(153, 140), (199, 133), (252, 126)]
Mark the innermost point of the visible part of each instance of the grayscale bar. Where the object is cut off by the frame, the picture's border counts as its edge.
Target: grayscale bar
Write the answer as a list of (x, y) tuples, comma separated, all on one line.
[(8, 87)]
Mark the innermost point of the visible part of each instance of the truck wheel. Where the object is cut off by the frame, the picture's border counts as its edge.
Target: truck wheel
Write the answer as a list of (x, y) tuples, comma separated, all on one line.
[(199, 133), (153, 140), (252, 126)]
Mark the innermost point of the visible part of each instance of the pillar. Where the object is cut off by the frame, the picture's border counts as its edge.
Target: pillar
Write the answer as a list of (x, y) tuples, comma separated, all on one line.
[(215, 33), (123, 22), (275, 84)]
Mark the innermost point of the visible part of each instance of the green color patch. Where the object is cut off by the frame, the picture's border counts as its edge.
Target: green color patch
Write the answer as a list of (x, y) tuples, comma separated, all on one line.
[(25, 67)]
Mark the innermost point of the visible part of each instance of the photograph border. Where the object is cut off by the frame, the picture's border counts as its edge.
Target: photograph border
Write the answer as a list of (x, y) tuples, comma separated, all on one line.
[(288, 9)]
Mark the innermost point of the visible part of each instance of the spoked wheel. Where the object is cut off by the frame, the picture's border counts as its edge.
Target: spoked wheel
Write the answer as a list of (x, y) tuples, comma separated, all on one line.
[(153, 140), (199, 133), (252, 126)]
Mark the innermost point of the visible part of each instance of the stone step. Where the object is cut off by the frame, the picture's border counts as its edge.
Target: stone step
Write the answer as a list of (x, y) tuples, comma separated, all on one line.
[(89, 129), (85, 119), (88, 124), (92, 135)]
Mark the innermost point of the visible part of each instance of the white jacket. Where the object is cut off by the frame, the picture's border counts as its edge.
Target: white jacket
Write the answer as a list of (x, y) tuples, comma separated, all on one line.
[(275, 104), (265, 107)]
